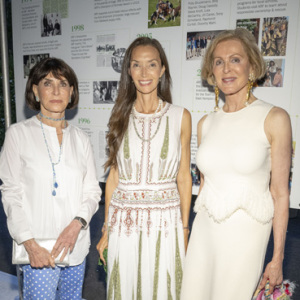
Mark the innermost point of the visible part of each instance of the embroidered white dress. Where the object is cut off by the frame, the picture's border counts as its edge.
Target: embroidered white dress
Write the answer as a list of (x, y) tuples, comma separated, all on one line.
[(234, 209), (146, 248)]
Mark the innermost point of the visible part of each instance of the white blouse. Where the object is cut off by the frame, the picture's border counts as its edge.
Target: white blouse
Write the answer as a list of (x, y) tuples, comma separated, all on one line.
[(26, 173)]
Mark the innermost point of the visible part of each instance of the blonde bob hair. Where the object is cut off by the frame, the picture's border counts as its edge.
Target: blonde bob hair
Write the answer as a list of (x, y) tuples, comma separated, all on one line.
[(249, 44)]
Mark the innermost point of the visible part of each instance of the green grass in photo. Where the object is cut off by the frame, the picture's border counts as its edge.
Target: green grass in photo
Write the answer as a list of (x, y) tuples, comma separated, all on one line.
[(160, 22)]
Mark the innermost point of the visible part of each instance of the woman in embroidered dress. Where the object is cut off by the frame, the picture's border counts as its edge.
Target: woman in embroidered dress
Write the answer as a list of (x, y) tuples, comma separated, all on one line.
[(148, 189), (50, 190), (244, 189)]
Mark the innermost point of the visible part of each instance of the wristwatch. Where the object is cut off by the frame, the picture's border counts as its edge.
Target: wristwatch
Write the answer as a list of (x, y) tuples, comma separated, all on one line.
[(82, 221)]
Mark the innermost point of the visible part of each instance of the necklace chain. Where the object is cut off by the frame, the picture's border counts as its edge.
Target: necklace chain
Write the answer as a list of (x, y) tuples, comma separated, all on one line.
[(49, 118), (159, 106), (53, 164)]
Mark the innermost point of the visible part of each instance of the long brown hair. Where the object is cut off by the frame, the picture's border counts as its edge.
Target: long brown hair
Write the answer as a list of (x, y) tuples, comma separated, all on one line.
[(120, 114)]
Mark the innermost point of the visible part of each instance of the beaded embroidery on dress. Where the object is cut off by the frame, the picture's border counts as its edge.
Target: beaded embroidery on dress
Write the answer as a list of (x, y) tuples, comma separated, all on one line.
[(146, 248)]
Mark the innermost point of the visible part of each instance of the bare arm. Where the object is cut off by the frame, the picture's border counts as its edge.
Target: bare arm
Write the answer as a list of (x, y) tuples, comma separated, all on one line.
[(279, 133), (184, 179), (111, 184)]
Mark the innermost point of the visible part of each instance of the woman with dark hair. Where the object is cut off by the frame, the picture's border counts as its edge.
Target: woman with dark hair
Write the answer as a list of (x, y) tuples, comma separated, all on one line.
[(244, 158), (148, 189), (272, 70), (50, 27), (49, 191), (45, 25)]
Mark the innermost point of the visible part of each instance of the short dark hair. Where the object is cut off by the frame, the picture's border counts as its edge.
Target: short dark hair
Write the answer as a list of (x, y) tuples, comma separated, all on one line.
[(58, 68)]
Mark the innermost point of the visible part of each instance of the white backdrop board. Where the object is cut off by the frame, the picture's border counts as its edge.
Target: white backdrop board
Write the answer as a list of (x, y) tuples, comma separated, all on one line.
[(92, 36)]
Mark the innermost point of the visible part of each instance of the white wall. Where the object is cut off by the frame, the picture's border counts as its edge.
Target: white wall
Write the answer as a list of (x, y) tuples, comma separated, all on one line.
[(92, 30)]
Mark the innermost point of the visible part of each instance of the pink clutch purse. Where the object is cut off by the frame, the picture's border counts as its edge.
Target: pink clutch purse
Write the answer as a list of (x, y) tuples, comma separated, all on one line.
[(282, 292)]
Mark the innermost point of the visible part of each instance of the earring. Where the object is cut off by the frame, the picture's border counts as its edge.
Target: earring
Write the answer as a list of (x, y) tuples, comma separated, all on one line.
[(37, 99), (251, 77), (70, 99), (250, 85), (216, 98)]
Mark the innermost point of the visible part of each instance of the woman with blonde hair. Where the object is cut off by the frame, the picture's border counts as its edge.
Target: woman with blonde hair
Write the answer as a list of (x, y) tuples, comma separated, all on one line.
[(244, 157)]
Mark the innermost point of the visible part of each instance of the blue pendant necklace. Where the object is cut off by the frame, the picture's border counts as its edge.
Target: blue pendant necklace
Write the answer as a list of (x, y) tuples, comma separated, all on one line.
[(53, 164)]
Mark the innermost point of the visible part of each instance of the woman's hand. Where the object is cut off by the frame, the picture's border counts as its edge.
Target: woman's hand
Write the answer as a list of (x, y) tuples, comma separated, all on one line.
[(66, 240), (39, 257), (273, 272), (111, 184), (102, 245)]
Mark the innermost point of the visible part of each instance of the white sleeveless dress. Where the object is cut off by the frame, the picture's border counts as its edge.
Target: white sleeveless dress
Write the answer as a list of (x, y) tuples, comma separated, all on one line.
[(234, 209), (146, 247)]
